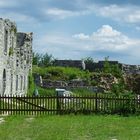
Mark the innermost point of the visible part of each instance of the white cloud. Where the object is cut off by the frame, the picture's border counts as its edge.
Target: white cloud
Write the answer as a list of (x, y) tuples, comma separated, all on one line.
[(81, 36), (123, 13), (61, 13), (109, 38), (106, 31), (134, 17), (104, 39)]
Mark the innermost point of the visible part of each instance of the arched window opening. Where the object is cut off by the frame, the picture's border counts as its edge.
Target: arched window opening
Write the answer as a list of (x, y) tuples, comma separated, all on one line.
[(4, 81), (11, 84), (24, 83), (16, 82), (6, 41)]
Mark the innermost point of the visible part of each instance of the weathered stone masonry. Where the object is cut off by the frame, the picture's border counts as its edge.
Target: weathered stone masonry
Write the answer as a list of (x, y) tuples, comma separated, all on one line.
[(15, 59)]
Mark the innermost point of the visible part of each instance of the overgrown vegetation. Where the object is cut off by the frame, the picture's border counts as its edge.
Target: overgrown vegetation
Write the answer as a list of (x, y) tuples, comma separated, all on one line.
[(43, 60), (61, 73), (11, 51), (43, 65), (67, 73), (31, 84), (46, 92), (13, 29), (112, 69)]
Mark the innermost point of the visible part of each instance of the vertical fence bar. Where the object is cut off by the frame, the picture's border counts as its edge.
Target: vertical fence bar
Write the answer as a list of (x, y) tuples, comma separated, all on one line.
[(37, 104), (31, 99), (28, 100), (74, 104), (16, 105), (90, 104), (58, 103), (87, 104), (51, 106), (6, 104), (20, 105), (96, 102), (27, 105), (24, 105), (47, 98), (44, 104), (83, 102)]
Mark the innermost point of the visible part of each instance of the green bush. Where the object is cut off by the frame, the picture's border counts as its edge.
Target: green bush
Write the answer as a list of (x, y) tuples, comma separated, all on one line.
[(31, 85), (63, 73), (45, 92)]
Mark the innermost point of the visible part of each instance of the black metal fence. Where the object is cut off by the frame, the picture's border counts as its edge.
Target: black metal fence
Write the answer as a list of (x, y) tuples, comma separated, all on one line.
[(31, 105)]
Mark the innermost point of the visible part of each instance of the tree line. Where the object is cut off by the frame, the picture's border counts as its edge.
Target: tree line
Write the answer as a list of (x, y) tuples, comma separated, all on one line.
[(43, 60)]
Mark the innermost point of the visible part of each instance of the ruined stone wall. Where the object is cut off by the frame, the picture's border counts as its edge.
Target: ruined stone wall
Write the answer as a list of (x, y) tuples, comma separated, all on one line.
[(15, 59), (126, 68), (70, 63)]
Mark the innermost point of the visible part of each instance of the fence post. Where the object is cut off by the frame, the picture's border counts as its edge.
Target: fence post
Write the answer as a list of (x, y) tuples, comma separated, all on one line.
[(96, 102), (58, 106)]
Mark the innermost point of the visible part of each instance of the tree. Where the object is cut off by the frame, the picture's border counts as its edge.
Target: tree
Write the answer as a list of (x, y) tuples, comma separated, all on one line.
[(89, 63), (116, 71), (36, 58), (47, 60), (107, 67), (43, 59)]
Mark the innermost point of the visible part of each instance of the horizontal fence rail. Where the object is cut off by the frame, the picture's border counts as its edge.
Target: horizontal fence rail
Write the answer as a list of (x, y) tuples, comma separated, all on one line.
[(37, 105)]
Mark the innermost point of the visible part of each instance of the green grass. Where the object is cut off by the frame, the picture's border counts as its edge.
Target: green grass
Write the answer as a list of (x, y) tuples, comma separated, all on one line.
[(70, 128), (61, 73), (46, 91)]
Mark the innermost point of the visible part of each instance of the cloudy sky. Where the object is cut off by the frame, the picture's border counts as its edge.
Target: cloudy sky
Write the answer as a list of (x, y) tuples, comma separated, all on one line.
[(75, 29)]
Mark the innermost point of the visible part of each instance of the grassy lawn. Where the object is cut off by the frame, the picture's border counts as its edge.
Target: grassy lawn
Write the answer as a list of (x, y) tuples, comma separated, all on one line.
[(69, 128)]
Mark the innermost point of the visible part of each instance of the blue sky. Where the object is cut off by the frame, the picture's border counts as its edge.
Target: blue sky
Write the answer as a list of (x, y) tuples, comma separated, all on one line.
[(77, 29)]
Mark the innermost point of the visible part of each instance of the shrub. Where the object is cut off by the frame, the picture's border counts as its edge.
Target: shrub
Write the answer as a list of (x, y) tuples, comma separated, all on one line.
[(31, 85)]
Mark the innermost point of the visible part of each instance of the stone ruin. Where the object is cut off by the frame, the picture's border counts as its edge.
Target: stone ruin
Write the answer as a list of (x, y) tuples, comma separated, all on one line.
[(15, 59), (70, 63), (97, 66)]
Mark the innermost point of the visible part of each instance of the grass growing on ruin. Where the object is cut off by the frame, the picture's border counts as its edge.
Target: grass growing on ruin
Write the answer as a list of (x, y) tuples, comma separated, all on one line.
[(46, 92), (70, 128), (61, 73)]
